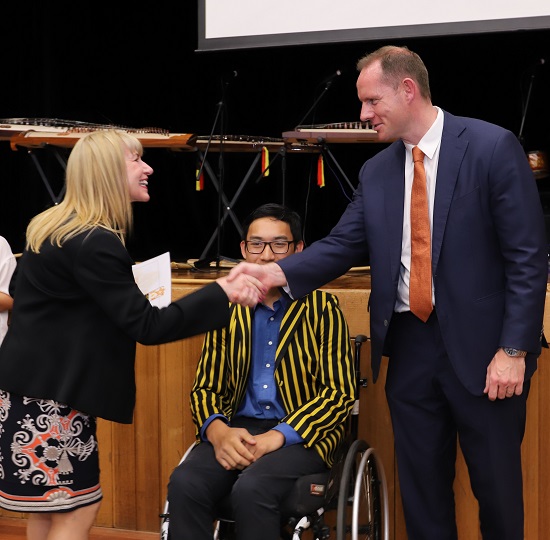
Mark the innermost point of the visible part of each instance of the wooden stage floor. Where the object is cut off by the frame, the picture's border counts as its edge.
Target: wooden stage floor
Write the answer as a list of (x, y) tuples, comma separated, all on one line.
[(15, 529)]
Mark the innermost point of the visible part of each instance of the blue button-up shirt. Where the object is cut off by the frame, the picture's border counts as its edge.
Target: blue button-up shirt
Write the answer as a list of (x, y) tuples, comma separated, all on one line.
[(262, 398)]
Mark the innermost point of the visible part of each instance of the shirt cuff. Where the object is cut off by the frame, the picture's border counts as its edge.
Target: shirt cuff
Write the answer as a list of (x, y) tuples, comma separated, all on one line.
[(290, 434), (202, 431)]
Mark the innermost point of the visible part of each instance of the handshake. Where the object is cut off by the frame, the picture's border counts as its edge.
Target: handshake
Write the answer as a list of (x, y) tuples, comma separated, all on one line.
[(248, 283)]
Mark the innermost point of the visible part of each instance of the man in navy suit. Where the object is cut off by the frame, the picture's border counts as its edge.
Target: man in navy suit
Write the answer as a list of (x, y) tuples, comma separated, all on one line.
[(465, 372)]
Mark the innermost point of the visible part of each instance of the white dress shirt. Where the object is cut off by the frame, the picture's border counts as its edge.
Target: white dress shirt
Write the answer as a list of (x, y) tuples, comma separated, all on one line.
[(430, 145)]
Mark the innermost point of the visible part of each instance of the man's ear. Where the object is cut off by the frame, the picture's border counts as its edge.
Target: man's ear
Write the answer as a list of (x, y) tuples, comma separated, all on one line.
[(243, 249), (299, 246), (410, 89)]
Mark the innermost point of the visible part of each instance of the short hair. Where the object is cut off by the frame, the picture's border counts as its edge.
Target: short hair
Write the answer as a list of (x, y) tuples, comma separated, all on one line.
[(278, 212), (398, 63)]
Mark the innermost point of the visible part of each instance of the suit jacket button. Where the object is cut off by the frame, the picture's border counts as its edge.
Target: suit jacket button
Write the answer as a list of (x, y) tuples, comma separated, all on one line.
[(386, 322)]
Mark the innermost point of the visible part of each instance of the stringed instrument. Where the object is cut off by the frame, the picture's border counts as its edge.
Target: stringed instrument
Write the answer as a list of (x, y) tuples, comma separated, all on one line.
[(340, 132), (39, 132)]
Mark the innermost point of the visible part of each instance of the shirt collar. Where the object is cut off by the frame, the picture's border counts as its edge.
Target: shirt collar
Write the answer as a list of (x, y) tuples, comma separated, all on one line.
[(283, 301), (432, 138)]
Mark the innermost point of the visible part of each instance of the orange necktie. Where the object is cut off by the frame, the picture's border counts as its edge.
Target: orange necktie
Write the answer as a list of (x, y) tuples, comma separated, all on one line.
[(420, 285)]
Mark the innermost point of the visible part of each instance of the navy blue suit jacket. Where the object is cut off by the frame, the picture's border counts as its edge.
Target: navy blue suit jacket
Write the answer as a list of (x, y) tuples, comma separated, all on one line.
[(489, 256)]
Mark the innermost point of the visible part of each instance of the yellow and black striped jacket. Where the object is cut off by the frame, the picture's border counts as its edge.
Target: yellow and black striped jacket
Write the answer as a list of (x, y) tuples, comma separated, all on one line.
[(314, 370)]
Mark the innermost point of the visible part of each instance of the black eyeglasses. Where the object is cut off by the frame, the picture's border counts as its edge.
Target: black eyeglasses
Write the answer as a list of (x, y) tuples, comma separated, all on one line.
[(279, 247)]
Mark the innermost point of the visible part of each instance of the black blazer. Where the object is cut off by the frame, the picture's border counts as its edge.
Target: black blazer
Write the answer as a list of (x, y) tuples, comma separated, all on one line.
[(77, 316)]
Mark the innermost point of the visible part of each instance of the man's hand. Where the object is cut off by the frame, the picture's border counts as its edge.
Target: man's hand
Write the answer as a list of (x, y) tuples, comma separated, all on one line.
[(267, 442), (270, 274), (244, 289), (505, 376), (232, 446)]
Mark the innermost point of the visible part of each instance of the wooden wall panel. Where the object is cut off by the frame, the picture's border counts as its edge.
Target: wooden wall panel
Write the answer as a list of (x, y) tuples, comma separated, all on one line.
[(106, 465), (542, 377), (146, 426), (136, 460)]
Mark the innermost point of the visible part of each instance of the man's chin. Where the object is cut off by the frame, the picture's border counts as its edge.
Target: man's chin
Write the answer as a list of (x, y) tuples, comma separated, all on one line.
[(382, 134)]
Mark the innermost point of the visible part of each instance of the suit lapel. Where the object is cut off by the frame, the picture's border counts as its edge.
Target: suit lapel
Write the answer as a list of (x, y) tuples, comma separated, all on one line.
[(296, 310), (451, 155), (394, 200), (241, 339)]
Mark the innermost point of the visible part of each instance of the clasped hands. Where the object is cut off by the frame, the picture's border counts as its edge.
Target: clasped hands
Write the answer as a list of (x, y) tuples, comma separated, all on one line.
[(505, 376), (236, 448)]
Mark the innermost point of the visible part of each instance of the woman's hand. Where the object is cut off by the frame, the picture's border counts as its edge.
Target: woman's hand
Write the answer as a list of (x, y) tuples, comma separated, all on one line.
[(244, 289)]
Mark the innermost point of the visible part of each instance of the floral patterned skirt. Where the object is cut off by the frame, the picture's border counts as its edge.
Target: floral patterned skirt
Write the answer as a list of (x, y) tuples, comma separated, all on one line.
[(48, 456)]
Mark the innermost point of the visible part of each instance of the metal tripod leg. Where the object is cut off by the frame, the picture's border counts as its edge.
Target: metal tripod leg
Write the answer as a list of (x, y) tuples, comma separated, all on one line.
[(228, 210), (329, 153), (55, 199)]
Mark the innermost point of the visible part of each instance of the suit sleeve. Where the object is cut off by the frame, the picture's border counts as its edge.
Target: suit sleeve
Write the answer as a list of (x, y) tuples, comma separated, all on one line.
[(519, 221), (222, 370), (330, 257), (104, 269), (316, 416)]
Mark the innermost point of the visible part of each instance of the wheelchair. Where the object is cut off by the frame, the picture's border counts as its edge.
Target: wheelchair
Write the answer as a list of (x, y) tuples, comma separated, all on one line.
[(355, 487)]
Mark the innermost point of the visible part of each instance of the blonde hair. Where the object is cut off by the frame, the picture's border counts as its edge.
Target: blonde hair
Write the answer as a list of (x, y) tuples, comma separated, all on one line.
[(97, 193)]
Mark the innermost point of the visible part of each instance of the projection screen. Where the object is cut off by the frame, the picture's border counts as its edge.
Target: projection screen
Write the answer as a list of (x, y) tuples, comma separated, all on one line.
[(239, 24)]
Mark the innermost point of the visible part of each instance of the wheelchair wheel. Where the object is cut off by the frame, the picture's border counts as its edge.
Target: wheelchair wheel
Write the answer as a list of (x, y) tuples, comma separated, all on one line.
[(165, 516), (224, 530), (362, 499)]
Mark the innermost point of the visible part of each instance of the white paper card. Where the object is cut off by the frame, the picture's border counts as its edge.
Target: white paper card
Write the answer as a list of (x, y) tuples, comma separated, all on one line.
[(154, 279)]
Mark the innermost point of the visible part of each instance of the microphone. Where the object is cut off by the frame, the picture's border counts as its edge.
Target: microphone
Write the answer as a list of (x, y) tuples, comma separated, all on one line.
[(328, 83), (228, 77), (330, 79), (533, 66)]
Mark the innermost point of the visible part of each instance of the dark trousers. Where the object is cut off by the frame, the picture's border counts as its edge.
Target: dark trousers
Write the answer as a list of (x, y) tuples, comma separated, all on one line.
[(429, 408), (199, 483)]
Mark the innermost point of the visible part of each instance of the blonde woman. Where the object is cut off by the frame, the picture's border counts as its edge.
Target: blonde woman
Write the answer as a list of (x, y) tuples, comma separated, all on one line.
[(68, 357)]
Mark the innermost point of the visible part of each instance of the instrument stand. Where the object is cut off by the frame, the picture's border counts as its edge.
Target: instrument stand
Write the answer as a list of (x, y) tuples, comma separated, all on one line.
[(282, 152), (325, 151), (203, 262), (55, 199)]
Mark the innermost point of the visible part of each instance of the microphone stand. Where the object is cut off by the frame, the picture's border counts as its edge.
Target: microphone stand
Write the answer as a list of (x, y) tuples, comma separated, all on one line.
[(204, 262), (316, 102), (539, 62), (524, 112)]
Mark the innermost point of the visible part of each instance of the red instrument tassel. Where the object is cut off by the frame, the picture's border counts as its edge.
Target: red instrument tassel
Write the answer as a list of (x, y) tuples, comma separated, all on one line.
[(321, 171), (199, 178), (265, 161)]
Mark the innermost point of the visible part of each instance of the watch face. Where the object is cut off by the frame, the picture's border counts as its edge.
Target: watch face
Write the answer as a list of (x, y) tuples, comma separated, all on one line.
[(514, 352)]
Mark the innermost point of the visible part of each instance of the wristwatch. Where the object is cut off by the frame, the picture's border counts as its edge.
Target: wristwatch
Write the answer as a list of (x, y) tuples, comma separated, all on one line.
[(516, 353)]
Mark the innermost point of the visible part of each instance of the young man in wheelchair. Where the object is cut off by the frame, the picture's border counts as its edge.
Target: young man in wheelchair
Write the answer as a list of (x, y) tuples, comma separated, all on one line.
[(270, 400)]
